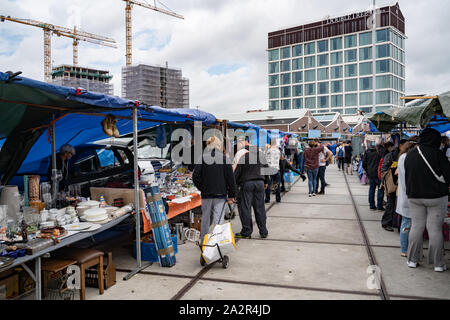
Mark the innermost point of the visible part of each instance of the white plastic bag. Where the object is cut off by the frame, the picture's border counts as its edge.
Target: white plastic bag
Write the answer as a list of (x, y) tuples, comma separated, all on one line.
[(221, 235)]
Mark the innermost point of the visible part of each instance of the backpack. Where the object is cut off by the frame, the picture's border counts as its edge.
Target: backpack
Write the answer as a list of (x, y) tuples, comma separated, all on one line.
[(340, 152)]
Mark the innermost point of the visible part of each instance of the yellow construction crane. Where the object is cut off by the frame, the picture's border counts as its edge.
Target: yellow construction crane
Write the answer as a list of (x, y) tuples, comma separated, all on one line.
[(129, 4), (75, 34)]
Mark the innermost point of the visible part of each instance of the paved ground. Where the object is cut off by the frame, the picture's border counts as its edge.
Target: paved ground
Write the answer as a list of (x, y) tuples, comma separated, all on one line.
[(315, 250)]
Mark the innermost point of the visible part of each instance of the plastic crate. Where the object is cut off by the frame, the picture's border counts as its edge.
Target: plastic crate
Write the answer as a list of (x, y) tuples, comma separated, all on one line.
[(148, 249)]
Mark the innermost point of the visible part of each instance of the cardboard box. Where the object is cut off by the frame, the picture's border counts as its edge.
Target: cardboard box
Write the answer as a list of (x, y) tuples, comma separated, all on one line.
[(9, 287)]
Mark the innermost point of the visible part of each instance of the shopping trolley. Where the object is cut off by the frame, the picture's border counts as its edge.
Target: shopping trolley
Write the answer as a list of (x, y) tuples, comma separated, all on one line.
[(193, 235)]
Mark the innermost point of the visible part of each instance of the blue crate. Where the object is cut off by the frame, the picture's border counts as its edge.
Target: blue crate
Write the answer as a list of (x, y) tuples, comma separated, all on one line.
[(148, 250), (289, 177)]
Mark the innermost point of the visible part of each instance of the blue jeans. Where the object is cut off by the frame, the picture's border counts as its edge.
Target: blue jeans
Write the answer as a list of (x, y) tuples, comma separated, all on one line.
[(276, 178), (374, 184), (301, 163), (321, 178), (312, 179), (404, 234)]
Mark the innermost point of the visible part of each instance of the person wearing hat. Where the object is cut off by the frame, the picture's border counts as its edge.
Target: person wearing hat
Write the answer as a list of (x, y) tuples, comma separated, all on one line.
[(66, 152)]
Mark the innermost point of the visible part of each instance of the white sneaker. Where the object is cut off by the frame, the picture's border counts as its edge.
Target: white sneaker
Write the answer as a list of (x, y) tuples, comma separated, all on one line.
[(310, 195), (412, 264), (440, 269), (314, 194)]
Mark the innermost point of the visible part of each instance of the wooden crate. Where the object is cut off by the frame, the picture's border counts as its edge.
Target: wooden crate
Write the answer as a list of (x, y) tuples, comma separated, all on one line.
[(109, 273)]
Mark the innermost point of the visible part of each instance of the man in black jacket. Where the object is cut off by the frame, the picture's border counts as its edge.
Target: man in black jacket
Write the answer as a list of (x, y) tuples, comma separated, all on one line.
[(215, 180), (252, 180), (427, 177), (371, 160)]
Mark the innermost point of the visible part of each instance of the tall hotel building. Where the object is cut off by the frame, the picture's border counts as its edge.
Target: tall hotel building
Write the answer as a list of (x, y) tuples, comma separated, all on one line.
[(326, 66)]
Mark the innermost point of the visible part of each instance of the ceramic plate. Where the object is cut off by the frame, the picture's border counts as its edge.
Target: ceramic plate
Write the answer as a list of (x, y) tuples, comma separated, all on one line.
[(92, 228), (78, 226)]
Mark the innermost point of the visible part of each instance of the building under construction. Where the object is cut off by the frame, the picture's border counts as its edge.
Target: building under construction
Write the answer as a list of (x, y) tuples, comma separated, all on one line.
[(155, 85), (86, 78)]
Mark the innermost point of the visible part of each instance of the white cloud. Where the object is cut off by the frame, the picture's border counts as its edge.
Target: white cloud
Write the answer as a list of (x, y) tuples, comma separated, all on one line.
[(219, 32)]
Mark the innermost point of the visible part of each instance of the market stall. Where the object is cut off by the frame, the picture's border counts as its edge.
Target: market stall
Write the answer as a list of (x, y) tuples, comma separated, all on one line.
[(32, 107)]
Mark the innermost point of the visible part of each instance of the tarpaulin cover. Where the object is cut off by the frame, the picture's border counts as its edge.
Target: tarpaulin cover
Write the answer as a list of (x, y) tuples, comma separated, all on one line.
[(419, 113), (21, 108)]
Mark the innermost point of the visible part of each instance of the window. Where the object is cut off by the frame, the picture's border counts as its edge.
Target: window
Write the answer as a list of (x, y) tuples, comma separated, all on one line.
[(274, 67), (297, 50), (310, 48), (380, 109), (274, 93), (383, 51), (350, 70), (285, 65), (383, 35), (366, 98), (323, 102), (273, 55), (336, 86), (322, 74), (285, 53), (365, 53), (310, 89), (336, 72), (297, 103), (322, 46), (350, 41), (285, 92), (336, 101), (350, 110), (351, 100), (285, 104), (365, 84), (336, 58), (310, 103), (310, 62), (274, 80), (286, 78), (365, 39), (297, 77), (365, 68), (274, 105), (322, 88), (384, 82), (384, 97), (384, 66), (350, 55), (322, 60), (310, 75), (351, 85), (297, 64), (336, 44), (297, 91)]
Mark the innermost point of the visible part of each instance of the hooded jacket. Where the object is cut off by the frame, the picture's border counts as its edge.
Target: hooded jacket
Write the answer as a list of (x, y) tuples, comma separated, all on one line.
[(420, 181), (371, 160)]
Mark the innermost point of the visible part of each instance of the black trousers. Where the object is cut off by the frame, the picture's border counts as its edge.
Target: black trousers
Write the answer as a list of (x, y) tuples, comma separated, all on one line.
[(341, 163), (389, 211), (252, 196)]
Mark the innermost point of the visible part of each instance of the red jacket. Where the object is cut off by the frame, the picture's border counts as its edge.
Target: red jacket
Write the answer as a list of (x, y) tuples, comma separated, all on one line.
[(312, 157)]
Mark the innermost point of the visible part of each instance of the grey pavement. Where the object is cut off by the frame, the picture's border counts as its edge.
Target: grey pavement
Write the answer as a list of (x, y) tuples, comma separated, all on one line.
[(315, 250)]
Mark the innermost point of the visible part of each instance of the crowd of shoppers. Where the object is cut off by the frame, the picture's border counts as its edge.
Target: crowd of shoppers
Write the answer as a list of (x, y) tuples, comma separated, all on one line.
[(415, 176)]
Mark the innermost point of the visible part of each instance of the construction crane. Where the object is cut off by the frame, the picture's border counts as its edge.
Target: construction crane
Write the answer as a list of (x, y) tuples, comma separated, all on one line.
[(75, 34), (129, 4)]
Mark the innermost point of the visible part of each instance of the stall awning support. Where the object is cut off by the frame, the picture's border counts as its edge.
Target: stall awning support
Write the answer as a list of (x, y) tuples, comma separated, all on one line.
[(137, 216)]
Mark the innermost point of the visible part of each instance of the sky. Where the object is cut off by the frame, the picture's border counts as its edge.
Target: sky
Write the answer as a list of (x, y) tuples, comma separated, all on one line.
[(220, 46)]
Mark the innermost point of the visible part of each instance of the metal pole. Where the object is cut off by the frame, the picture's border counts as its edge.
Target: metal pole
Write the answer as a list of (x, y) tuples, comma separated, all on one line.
[(374, 66), (136, 189), (37, 274), (136, 200)]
